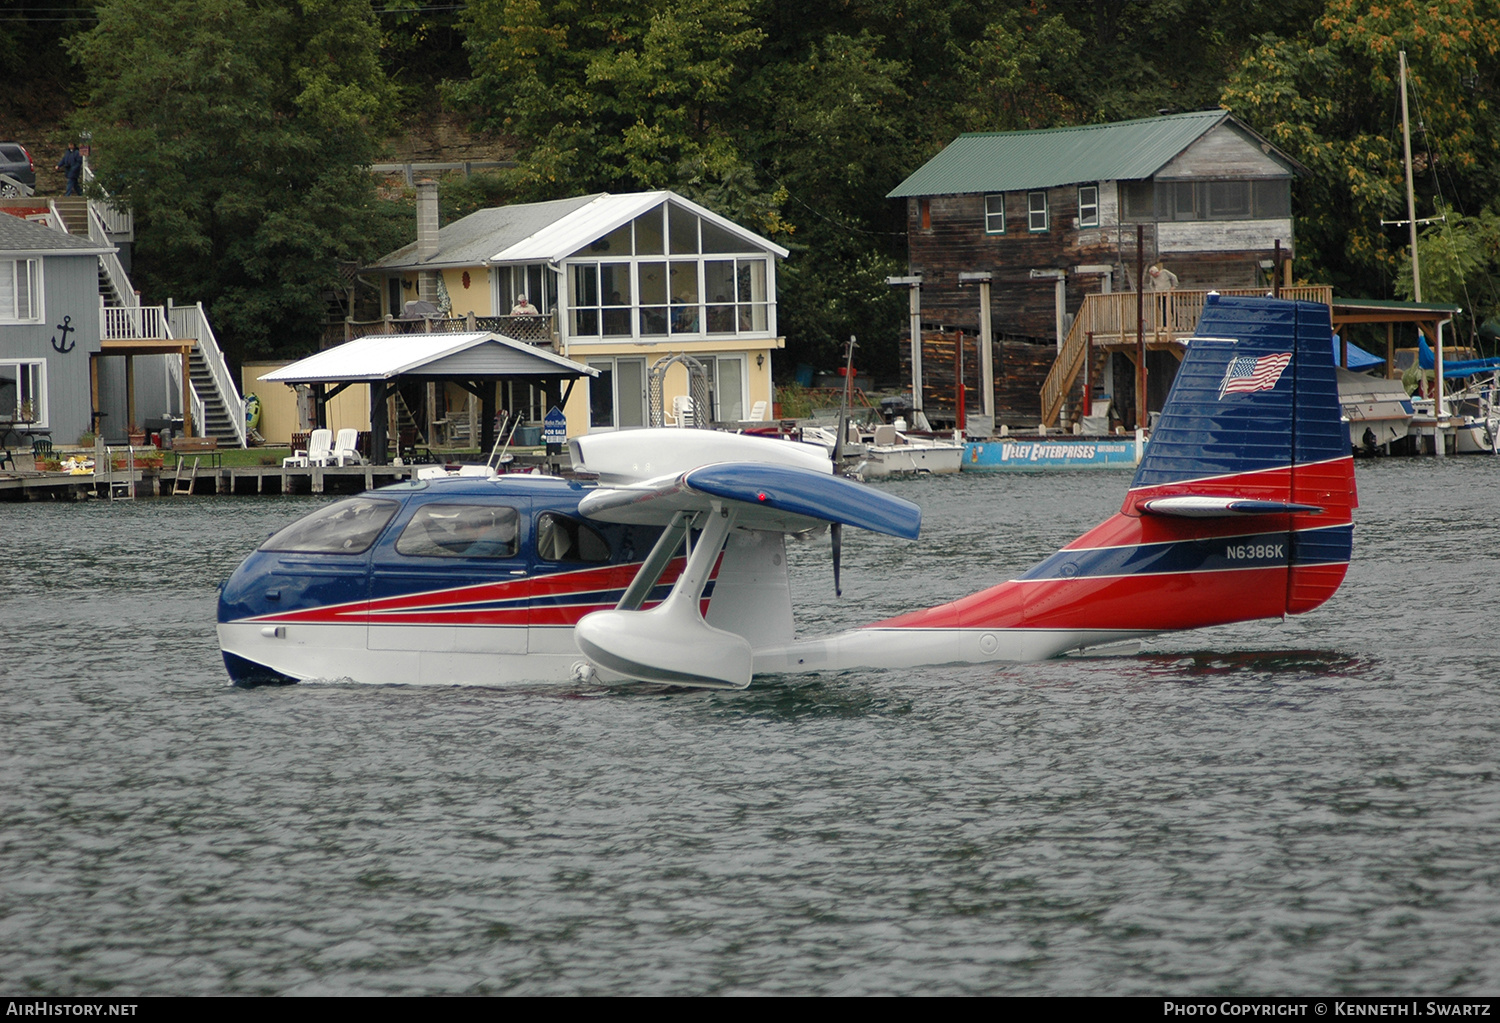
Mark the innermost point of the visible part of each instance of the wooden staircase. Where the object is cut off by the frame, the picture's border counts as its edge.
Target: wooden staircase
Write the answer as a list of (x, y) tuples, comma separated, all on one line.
[(217, 417), (1168, 319)]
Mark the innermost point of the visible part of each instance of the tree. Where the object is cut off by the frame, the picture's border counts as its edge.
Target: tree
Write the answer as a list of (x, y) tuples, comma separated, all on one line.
[(242, 148), (608, 94), (1329, 97)]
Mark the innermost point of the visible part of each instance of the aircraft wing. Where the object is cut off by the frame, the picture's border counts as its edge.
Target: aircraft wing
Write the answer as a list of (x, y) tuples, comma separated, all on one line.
[(764, 496)]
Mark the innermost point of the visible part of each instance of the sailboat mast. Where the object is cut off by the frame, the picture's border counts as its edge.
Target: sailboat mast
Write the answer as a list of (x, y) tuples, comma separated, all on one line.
[(1439, 406), (1411, 202)]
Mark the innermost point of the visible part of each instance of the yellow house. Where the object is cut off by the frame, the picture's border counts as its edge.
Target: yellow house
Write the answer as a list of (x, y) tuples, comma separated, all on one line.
[(666, 299)]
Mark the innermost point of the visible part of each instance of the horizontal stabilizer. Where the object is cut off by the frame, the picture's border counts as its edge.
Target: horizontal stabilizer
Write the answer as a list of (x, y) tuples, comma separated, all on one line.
[(1204, 507), (772, 497)]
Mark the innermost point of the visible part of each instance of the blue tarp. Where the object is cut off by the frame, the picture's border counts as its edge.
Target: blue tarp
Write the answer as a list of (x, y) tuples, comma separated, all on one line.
[(1358, 357), (1453, 368)]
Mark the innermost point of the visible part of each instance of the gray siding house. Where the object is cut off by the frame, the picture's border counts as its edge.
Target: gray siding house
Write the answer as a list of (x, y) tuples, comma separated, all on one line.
[(49, 326)]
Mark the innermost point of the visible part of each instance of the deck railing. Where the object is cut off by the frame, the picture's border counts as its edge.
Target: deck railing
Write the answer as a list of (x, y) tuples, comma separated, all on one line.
[(132, 322), (190, 321), (114, 270), (1166, 316)]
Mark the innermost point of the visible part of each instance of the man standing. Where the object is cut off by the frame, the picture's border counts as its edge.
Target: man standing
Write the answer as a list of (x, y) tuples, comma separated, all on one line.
[(72, 164)]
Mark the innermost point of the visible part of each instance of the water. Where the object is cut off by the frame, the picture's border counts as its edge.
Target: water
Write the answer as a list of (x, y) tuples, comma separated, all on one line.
[(1301, 807)]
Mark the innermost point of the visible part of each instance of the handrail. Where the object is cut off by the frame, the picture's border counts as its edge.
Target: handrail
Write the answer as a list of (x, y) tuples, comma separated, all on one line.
[(117, 222), (113, 268), (1167, 316), (192, 321)]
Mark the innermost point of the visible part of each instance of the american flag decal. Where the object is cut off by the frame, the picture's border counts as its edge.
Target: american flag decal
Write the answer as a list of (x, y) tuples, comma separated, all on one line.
[(1247, 373)]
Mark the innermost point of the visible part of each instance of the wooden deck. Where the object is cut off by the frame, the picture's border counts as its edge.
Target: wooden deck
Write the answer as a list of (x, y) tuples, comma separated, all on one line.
[(246, 481), (1167, 319)]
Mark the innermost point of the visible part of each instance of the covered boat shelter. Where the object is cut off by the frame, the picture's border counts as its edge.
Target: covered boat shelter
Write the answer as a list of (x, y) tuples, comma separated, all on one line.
[(477, 362), (1428, 317)]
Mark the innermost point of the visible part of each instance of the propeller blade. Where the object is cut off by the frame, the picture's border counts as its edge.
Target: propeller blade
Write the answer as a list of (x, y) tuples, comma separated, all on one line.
[(836, 534)]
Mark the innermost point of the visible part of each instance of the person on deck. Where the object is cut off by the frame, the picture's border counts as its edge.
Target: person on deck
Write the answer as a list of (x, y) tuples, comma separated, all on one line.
[(72, 165), (523, 307)]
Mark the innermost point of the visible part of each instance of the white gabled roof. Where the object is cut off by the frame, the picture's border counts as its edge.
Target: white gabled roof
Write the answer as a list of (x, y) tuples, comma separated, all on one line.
[(549, 232), (572, 232), (384, 356)]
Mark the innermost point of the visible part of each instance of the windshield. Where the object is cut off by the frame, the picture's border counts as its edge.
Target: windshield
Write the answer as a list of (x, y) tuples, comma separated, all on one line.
[(348, 527)]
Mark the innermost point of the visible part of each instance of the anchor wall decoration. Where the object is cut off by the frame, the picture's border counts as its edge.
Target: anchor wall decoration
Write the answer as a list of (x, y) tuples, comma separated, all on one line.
[(65, 346)]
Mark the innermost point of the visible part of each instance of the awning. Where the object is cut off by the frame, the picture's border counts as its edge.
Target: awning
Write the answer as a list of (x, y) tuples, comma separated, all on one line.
[(469, 356)]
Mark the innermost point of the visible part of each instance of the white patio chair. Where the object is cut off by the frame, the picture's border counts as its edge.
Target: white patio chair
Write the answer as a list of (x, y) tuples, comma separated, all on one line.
[(319, 444), (346, 448), (682, 410), (758, 412)]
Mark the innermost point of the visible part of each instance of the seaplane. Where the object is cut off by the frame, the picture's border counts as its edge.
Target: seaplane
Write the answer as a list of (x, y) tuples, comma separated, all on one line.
[(669, 566)]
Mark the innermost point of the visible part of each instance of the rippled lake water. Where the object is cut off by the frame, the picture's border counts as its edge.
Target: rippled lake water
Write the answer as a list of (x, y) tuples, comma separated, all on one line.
[(1302, 807)]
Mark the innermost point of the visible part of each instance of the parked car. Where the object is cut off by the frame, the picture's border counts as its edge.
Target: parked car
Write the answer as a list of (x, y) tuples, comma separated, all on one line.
[(15, 163)]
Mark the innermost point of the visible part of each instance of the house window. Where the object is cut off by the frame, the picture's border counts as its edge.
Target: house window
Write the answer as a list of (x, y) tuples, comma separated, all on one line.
[(601, 300), (727, 378), (1228, 200), (536, 281), (1186, 201), (20, 292), (1088, 205), (23, 391), (1036, 211), (617, 396), (924, 210), (994, 214)]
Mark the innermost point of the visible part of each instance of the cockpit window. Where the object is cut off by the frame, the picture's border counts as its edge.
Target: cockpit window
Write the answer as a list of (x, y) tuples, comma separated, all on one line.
[(348, 527), (560, 538), (461, 531)]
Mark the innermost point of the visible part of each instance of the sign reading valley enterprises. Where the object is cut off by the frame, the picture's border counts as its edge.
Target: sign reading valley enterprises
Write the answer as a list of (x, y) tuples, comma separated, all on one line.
[(1059, 454)]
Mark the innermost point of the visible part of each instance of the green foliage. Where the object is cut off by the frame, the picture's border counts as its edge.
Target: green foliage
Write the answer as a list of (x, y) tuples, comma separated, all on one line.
[(1459, 258), (241, 148), (1329, 96)]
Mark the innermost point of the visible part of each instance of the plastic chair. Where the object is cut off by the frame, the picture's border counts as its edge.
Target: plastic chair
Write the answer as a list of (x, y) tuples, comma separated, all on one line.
[(758, 412), (346, 448), (319, 448), (682, 410)]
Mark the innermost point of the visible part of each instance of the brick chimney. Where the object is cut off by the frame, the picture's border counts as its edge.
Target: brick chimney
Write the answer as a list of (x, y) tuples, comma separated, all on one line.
[(427, 238)]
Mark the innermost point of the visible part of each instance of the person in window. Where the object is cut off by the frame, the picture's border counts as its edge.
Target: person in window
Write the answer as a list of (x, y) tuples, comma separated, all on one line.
[(523, 307)]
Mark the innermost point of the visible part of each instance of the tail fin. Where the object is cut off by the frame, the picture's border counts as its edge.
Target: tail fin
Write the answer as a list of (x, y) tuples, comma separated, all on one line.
[(1241, 508)]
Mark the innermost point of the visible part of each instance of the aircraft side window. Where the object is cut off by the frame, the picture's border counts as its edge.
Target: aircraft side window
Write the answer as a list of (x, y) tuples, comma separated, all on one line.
[(560, 538), (347, 527), (461, 531)]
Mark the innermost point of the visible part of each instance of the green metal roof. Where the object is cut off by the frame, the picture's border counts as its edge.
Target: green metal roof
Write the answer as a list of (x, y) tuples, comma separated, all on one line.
[(1014, 161), (1396, 304)]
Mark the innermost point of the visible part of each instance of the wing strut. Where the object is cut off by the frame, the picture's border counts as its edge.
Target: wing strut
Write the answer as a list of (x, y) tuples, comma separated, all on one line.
[(656, 562)]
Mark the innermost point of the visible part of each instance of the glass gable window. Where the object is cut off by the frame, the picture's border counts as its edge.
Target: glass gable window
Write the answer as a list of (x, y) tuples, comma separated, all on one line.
[(994, 214), (1088, 205), (1036, 211), (670, 272), (20, 296)]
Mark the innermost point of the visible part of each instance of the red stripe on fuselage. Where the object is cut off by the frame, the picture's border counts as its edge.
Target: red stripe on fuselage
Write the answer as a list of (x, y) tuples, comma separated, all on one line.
[(1165, 601)]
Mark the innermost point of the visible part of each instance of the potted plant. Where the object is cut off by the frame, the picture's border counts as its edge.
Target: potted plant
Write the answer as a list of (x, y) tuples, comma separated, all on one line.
[(136, 435)]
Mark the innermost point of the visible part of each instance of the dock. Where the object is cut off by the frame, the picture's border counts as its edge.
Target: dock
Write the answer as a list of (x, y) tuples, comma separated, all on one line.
[(171, 481)]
